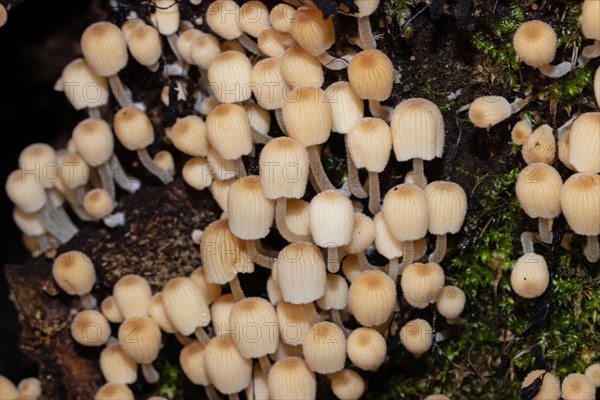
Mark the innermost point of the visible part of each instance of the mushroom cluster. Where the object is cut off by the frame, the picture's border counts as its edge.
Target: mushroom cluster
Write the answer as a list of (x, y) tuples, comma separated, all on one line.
[(545, 385)]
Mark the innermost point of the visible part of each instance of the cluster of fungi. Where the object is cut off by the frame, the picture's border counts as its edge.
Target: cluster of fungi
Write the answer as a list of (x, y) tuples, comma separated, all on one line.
[(328, 309)]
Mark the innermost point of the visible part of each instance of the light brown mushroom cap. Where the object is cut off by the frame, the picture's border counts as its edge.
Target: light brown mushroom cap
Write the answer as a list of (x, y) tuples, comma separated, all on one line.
[(145, 45), (421, 283), (189, 136), (228, 131), (228, 371), (133, 128), (254, 18), (74, 272), (132, 295), (254, 322), (324, 348), (538, 190), (367, 348), (593, 373), (164, 159), (114, 391), (417, 336), (307, 116), (346, 107), (590, 19), (191, 359), (110, 310), (40, 159), (535, 43), (222, 17), (259, 118), (366, 7), (185, 305), (580, 203), (104, 48), (156, 311), (540, 146), (299, 68), (130, 25), (347, 385), (372, 297), (487, 111), (204, 50), (291, 378), (281, 17), (407, 203), (28, 223), (274, 43), (74, 171), (284, 168), (93, 140), (116, 366), (311, 31), (250, 212), (140, 339), (294, 321), (550, 388), (268, 85), (198, 173), (98, 203), (209, 291), (520, 132), (386, 244), (90, 328), (82, 86), (219, 312), (370, 144), (577, 386), (447, 203), (437, 397), (229, 77), (166, 17), (7, 389), (273, 292), (450, 302), (301, 273), (529, 277), (336, 293), (25, 191), (584, 144), (371, 74), (297, 216), (331, 219), (30, 389), (363, 234)]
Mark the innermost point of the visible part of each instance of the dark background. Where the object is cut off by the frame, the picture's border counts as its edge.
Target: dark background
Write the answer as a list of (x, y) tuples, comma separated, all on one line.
[(38, 40)]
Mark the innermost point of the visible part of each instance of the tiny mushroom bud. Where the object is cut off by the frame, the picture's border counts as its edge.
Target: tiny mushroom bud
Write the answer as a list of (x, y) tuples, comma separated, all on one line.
[(421, 283), (229, 132), (140, 339), (487, 111), (347, 385), (324, 348), (164, 159), (116, 366), (450, 302), (132, 295), (99, 205), (540, 146), (40, 159), (114, 391), (372, 298), (281, 17), (228, 371), (74, 272), (577, 387), (198, 173), (90, 328), (417, 336), (371, 74), (529, 277), (549, 388), (367, 349)]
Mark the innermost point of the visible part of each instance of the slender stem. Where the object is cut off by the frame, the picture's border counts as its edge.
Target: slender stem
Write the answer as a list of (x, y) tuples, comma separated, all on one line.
[(236, 289), (120, 91), (589, 52), (353, 179), (527, 242), (265, 364), (366, 34), (440, 249), (544, 226), (240, 168), (88, 301), (282, 227), (125, 182), (106, 177), (393, 269), (333, 262), (556, 71), (60, 216), (256, 257), (419, 170), (42, 245), (250, 44), (518, 104), (211, 393), (374, 193), (337, 319), (362, 260), (279, 119), (261, 138), (592, 249), (379, 111), (317, 170), (234, 396), (151, 375), (94, 112), (408, 252), (333, 63), (114, 220), (184, 340), (201, 335), (153, 167), (80, 194)]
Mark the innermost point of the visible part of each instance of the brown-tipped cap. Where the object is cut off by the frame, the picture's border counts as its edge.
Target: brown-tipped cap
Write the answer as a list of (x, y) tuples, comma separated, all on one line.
[(30, 389), (254, 18), (578, 386), (284, 168), (324, 348), (521, 131), (291, 378), (98, 203), (405, 211), (367, 348), (84, 88), (535, 43), (385, 243), (274, 43), (254, 322), (294, 321), (352, 267), (421, 283), (487, 111), (584, 144), (370, 144), (540, 146), (371, 74), (331, 219), (219, 312), (336, 293), (133, 128), (90, 328), (164, 159), (116, 366), (114, 391), (250, 212), (300, 68), (130, 25), (229, 77), (417, 336), (307, 115), (223, 254), (191, 359), (590, 19), (228, 371), (74, 272), (450, 301), (281, 17), (348, 385), (268, 85), (538, 190), (198, 173), (550, 387), (222, 17), (184, 305), (447, 207), (204, 50), (372, 298), (313, 32), (228, 131), (580, 203), (529, 277), (25, 191), (363, 234), (140, 339), (104, 48), (301, 273), (145, 45), (93, 141), (132, 294), (417, 128), (346, 107)]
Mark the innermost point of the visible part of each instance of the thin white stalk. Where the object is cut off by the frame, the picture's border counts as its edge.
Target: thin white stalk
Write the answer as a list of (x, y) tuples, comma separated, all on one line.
[(365, 34), (151, 375), (592, 249), (265, 364), (114, 220), (556, 71), (106, 177), (155, 169), (374, 193), (120, 91), (236, 289), (250, 44), (337, 319), (125, 181), (362, 260), (63, 232), (353, 179), (201, 335), (394, 268), (172, 40), (419, 171), (256, 257), (544, 226), (440, 249), (589, 52), (379, 111), (518, 105), (333, 262), (527, 242), (94, 112), (317, 169), (283, 228)]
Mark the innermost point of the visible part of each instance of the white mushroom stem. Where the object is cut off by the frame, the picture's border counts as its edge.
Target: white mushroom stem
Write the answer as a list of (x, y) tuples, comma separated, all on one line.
[(365, 34), (88, 301), (527, 239), (250, 44), (592, 249), (545, 228), (94, 112), (279, 119), (333, 262), (394, 268), (337, 319), (374, 193), (353, 179), (63, 231), (125, 181), (155, 169), (240, 168), (256, 257), (440, 249), (236, 289), (589, 52), (114, 220), (282, 227), (106, 177), (419, 172), (317, 171), (518, 105), (265, 364), (379, 111), (261, 138), (335, 63), (121, 92), (556, 71), (408, 251), (201, 335), (151, 375)]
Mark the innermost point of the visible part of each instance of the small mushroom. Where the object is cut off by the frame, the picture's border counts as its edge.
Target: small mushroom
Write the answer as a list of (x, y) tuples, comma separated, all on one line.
[(229, 77), (365, 33), (132, 295), (228, 371), (487, 111), (550, 385), (223, 18), (372, 298), (417, 336), (590, 20), (90, 328), (186, 307), (166, 19), (347, 384), (371, 74), (324, 348), (83, 87), (145, 46), (450, 302), (584, 143), (117, 366), (529, 277), (292, 378), (74, 273), (367, 348), (335, 298), (300, 273), (421, 283), (577, 386), (114, 391), (140, 339), (294, 321), (540, 146)]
